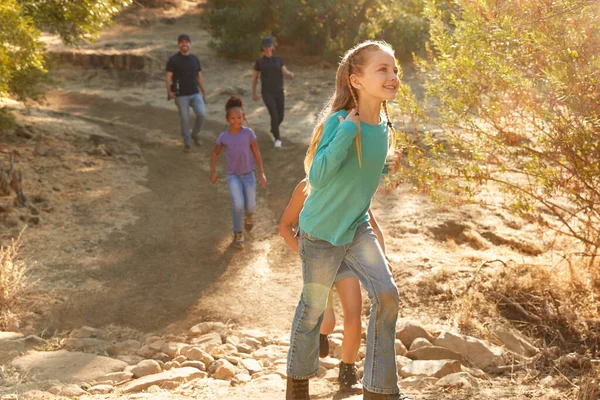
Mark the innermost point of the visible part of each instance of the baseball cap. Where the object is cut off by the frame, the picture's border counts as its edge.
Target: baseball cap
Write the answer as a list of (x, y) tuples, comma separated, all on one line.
[(184, 36)]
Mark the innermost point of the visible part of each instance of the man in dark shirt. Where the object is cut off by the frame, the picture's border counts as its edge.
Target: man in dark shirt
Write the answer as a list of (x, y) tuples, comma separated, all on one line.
[(184, 83), (271, 70)]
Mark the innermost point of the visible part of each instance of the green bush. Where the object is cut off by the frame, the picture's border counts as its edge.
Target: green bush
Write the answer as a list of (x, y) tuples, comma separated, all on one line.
[(319, 27), (517, 85)]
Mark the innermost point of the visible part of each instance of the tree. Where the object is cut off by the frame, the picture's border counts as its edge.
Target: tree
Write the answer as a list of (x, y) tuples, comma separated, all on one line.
[(518, 87), (321, 27), (22, 65)]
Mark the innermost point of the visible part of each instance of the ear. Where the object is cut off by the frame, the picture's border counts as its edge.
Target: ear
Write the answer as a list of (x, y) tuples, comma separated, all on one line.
[(355, 81)]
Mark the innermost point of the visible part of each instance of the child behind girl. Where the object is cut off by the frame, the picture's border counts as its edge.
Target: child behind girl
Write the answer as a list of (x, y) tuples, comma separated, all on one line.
[(348, 289), (241, 151), (344, 164)]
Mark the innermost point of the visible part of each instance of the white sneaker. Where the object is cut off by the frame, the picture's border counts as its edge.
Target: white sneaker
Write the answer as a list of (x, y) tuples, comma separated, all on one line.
[(278, 143)]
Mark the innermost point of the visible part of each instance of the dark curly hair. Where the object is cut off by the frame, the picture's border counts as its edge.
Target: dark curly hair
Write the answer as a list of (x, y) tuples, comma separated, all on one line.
[(233, 102)]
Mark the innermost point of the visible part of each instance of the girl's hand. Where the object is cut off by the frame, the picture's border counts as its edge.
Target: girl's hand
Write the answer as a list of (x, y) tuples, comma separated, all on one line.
[(291, 75), (213, 177), (352, 116), (393, 162), (262, 179), (254, 97)]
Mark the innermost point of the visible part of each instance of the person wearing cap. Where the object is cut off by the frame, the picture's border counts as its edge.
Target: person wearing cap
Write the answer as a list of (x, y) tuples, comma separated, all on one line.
[(271, 69), (184, 84)]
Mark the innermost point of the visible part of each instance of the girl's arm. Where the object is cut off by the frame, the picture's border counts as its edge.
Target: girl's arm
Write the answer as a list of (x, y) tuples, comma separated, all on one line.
[(261, 173), (213, 163), (291, 215), (338, 136), (380, 238)]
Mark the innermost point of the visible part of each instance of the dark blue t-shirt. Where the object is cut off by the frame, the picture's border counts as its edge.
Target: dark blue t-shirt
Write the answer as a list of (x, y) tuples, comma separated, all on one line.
[(185, 72), (271, 77)]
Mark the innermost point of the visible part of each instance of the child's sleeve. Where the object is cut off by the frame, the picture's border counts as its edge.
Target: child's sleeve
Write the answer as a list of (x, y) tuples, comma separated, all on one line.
[(220, 140), (332, 150)]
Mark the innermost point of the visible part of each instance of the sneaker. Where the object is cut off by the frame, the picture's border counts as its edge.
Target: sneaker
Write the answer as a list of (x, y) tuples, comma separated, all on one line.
[(196, 140), (323, 345), (238, 240), (186, 148), (248, 222), (278, 143)]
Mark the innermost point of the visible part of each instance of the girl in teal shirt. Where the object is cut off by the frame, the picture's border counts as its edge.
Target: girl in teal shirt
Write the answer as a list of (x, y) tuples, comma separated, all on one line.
[(344, 163)]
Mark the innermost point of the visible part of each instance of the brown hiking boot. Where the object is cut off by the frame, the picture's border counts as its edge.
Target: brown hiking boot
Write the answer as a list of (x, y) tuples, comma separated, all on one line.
[(348, 380), (323, 345), (186, 148), (297, 389), (378, 396), (238, 240), (196, 141), (248, 222)]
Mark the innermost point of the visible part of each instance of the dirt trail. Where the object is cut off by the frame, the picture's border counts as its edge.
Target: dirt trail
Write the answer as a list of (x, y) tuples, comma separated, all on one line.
[(174, 265)]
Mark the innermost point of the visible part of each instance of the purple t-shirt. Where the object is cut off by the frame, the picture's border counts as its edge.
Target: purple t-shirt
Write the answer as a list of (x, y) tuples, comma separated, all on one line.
[(240, 160)]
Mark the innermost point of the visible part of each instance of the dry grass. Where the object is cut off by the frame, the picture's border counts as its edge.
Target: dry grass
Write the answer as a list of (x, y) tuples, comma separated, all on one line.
[(14, 282)]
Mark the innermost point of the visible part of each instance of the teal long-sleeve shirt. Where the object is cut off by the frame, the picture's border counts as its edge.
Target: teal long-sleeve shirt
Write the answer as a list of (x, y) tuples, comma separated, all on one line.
[(341, 191)]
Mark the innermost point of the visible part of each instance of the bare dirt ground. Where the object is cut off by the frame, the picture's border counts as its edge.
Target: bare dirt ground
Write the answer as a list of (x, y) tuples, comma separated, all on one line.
[(139, 238)]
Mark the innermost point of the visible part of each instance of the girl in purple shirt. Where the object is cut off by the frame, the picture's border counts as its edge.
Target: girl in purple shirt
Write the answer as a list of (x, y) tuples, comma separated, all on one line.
[(241, 151)]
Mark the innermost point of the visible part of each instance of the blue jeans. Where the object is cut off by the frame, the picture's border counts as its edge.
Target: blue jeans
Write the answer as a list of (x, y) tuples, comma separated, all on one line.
[(320, 263), (243, 197), (184, 103)]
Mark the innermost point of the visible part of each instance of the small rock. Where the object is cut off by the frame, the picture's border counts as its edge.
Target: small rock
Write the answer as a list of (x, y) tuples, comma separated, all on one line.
[(146, 367), (476, 351), (251, 365), (252, 342), (401, 361), (407, 331), (115, 378), (125, 347), (434, 368), (224, 371), (146, 352), (255, 334), (197, 354), (271, 352), (332, 375), (194, 364), (515, 341), (244, 348), (233, 359), (232, 340), (329, 362), (460, 380), (88, 344), (173, 364), (417, 382), (180, 358), (209, 338), (436, 353), (71, 390), (175, 375), (172, 349), (162, 357), (101, 389), (200, 329), (400, 347), (419, 343), (240, 379)]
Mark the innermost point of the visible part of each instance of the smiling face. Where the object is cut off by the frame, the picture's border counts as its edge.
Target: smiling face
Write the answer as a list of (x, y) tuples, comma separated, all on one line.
[(184, 46), (235, 118), (379, 77)]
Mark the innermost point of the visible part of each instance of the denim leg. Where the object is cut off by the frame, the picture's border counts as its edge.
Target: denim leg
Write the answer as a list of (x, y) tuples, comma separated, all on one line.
[(271, 103), (183, 105), (236, 190), (249, 181), (197, 104), (365, 257), (320, 262)]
